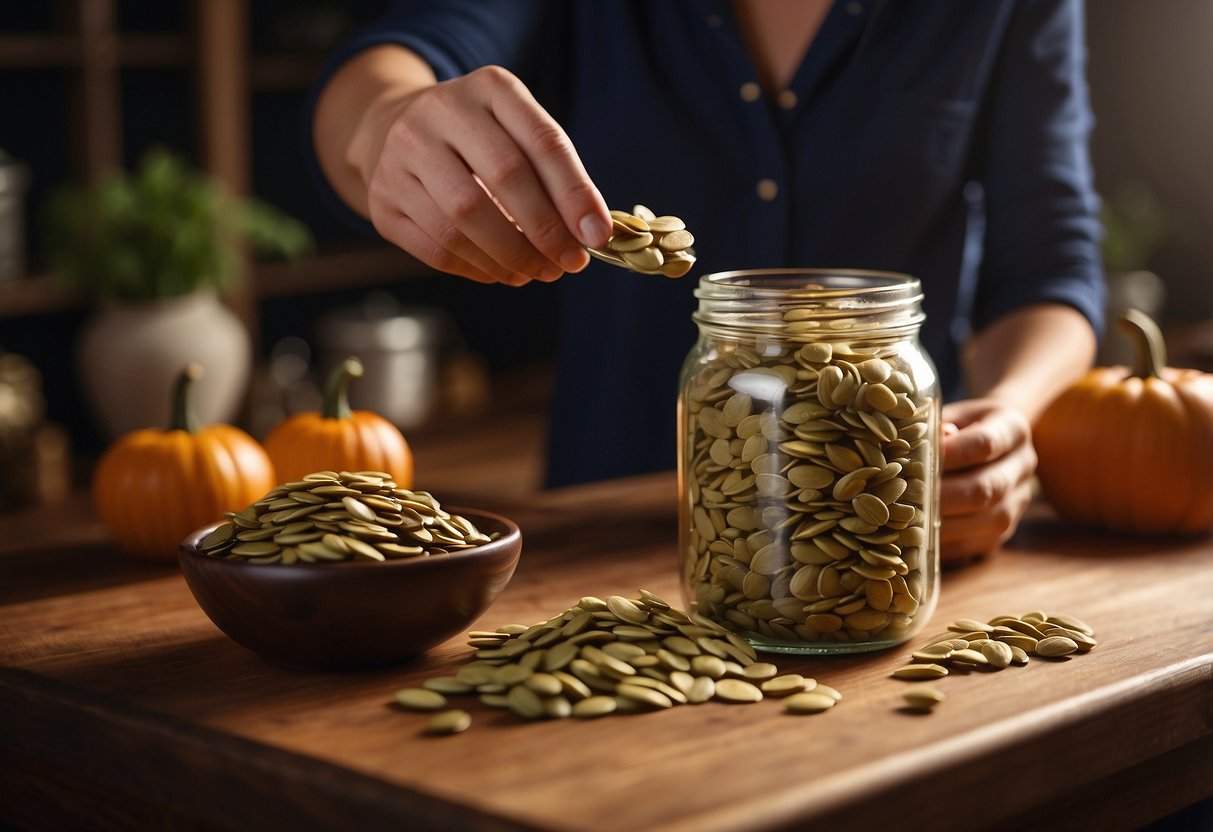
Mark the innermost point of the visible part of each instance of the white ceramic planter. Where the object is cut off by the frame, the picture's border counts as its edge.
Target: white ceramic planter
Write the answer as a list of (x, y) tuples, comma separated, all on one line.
[(130, 353)]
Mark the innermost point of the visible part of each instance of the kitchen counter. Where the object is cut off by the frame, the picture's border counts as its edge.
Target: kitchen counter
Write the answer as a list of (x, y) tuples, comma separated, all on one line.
[(122, 705)]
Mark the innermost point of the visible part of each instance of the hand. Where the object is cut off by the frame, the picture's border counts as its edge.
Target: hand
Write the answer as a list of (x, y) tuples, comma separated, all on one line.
[(474, 178), (988, 462)]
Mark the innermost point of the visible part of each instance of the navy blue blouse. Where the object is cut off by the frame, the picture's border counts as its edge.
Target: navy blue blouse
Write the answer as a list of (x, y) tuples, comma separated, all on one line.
[(942, 138)]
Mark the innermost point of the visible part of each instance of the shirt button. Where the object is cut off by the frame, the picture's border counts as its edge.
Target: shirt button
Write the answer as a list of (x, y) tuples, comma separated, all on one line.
[(714, 20), (854, 7), (767, 189), (750, 91), (787, 99)]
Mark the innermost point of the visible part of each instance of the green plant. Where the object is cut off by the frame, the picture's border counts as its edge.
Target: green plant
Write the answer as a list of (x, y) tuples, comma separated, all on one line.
[(162, 231), (1134, 226)]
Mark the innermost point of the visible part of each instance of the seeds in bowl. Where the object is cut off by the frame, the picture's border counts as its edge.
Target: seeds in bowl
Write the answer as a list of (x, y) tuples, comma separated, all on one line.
[(332, 516)]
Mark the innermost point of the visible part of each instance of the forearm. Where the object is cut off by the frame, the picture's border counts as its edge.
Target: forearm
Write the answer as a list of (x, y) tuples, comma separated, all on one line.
[(355, 111), (1026, 358)]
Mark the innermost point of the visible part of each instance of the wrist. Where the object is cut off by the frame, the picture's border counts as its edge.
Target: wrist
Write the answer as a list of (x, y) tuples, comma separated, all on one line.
[(370, 134)]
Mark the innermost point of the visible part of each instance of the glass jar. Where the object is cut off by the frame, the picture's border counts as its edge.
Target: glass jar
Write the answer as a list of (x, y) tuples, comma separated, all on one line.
[(808, 423)]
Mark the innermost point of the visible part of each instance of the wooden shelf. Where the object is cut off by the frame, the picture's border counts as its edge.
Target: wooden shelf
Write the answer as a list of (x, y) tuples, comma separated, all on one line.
[(56, 51), (334, 270), (283, 71), (40, 294), (36, 295)]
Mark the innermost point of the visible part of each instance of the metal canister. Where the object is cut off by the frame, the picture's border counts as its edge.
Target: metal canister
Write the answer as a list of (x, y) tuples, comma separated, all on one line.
[(14, 181), (399, 348)]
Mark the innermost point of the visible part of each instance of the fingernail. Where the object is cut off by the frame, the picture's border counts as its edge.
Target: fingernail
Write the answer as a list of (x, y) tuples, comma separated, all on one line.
[(574, 259), (549, 272), (594, 231)]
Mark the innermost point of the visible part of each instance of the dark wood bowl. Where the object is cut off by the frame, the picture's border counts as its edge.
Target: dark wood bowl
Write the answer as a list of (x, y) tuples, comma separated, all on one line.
[(357, 614)]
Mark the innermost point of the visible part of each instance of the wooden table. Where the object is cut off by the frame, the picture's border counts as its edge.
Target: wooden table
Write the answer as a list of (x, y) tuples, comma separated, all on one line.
[(121, 704)]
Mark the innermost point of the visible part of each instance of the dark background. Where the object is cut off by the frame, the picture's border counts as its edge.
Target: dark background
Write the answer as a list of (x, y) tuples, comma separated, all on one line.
[(1150, 69)]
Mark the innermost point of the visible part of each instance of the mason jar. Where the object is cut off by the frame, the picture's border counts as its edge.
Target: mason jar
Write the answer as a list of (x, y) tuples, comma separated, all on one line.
[(808, 429)]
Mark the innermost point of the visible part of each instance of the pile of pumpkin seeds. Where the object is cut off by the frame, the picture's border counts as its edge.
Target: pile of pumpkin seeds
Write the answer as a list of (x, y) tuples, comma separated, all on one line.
[(617, 655), (1002, 641), (333, 516), (808, 480), (644, 242)]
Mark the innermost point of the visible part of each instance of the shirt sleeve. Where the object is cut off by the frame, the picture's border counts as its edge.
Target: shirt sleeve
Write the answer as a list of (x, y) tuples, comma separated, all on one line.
[(1042, 238), (452, 36)]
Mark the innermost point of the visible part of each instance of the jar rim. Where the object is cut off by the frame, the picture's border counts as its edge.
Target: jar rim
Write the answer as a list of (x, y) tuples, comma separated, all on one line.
[(786, 283)]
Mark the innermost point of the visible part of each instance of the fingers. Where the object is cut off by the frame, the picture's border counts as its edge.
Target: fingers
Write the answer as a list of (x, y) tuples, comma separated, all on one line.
[(982, 488), (488, 177), (420, 228), (516, 190), (967, 536), (580, 205), (473, 226), (988, 462), (984, 435)]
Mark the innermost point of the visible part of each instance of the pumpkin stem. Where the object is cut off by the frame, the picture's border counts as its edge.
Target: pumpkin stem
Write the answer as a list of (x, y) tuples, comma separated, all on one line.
[(184, 418), (1149, 348), (336, 400)]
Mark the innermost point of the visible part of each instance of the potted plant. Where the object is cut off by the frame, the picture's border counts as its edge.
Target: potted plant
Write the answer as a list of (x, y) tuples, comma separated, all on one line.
[(155, 248)]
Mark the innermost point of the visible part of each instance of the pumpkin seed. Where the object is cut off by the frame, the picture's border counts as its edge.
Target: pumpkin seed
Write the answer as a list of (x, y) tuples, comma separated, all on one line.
[(450, 722), (923, 699), (525, 702), (812, 702), (1070, 623), (640, 693), (420, 699), (1056, 646), (783, 685), (737, 690), (702, 689), (997, 654), (919, 672), (594, 706)]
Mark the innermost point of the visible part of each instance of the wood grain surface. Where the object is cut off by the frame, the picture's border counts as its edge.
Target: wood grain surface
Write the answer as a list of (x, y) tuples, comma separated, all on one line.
[(121, 704)]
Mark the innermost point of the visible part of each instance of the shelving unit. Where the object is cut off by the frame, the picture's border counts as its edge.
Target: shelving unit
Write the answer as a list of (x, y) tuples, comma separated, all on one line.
[(372, 265), (90, 48)]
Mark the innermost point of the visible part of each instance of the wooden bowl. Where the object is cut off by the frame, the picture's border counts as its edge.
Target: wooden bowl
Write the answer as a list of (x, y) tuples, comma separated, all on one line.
[(355, 614)]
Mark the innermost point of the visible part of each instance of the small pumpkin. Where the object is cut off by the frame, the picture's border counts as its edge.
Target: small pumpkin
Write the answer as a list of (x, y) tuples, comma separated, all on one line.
[(339, 438), (152, 487), (1131, 449)]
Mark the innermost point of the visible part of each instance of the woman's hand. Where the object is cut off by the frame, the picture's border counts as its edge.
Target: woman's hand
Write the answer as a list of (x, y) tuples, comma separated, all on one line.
[(473, 177), (988, 462)]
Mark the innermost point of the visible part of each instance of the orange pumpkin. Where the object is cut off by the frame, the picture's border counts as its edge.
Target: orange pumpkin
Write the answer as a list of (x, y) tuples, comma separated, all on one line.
[(1132, 449), (152, 487), (338, 438)]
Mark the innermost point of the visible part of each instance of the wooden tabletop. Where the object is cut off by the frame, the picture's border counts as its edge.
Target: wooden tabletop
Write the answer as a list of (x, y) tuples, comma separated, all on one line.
[(122, 705)]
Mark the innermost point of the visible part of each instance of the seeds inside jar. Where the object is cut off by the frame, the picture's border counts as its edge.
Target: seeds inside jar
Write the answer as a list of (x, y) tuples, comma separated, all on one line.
[(807, 464)]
